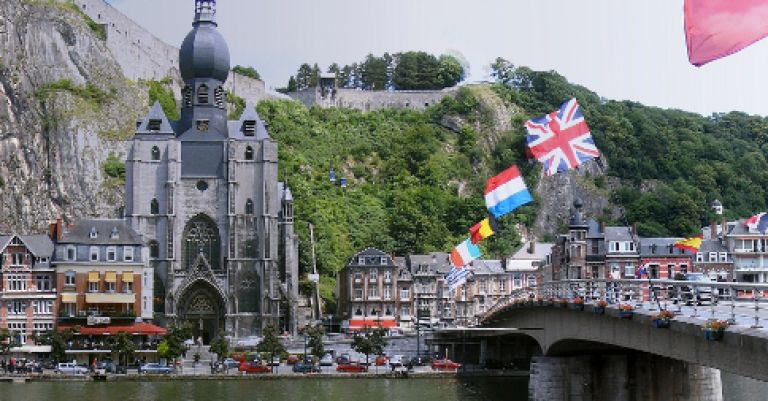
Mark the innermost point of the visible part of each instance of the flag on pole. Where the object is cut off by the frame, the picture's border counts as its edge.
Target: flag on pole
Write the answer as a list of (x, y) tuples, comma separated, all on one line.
[(718, 28), (758, 221), (506, 192), (690, 244), (464, 253), (456, 277), (561, 139), (480, 231)]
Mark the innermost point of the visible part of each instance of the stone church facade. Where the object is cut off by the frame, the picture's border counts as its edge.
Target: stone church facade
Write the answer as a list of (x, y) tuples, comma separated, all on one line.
[(203, 192)]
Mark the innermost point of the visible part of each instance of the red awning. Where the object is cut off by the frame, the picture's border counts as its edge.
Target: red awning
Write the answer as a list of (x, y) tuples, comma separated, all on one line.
[(357, 324), (142, 329)]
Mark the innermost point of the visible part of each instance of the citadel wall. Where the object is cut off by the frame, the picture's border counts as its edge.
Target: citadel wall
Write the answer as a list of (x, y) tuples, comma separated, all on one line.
[(371, 100), (141, 55)]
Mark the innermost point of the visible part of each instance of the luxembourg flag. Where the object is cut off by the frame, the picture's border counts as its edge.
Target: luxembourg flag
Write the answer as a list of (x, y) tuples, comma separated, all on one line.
[(506, 192), (464, 253)]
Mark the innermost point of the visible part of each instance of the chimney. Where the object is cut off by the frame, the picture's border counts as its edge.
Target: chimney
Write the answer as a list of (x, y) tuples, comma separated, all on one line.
[(713, 230), (602, 227), (55, 230), (723, 228), (532, 247)]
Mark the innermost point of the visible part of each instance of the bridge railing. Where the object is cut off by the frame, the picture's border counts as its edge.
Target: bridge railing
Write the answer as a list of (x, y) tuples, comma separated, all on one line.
[(738, 302)]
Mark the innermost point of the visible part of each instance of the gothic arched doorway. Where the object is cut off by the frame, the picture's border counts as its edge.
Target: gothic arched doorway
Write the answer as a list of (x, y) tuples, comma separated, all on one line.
[(201, 237), (202, 306)]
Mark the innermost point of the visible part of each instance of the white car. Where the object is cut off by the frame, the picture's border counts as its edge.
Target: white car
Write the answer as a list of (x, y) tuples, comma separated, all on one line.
[(326, 360), (69, 368)]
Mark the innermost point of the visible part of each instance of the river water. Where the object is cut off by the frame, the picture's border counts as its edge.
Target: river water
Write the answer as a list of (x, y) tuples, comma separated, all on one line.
[(331, 389)]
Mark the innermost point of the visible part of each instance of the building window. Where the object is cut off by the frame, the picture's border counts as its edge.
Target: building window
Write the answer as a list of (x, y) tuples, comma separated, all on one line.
[(383, 261), (531, 280), (17, 283), (405, 312), (127, 287), (249, 127), (17, 308), (670, 271), (71, 253), (358, 277), (154, 250), (17, 259), (482, 286), (723, 256), (128, 253), (93, 286), (156, 151), (154, 206), (358, 293), (69, 278), (42, 307), (373, 276), (713, 256), (629, 247), (93, 234), (202, 125), (202, 94), (111, 254), (361, 260), (654, 271), (43, 282), (699, 257), (502, 284), (373, 291), (110, 286), (387, 292), (517, 280), (684, 269), (629, 270), (94, 252), (613, 246), (405, 294), (248, 153), (249, 207), (21, 329), (387, 276)]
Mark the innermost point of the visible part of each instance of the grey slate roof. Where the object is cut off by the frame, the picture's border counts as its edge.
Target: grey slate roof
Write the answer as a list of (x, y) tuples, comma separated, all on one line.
[(593, 229), (617, 234), (155, 113), (712, 246), (740, 229), (662, 247), (437, 260), (486, 267), (39, 245), (237, 128), (540, 251), (372, 253), (80, 233)]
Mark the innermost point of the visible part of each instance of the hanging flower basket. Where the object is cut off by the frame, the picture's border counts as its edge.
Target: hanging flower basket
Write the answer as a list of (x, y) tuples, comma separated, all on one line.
[(599, 307), (626, 311), (577, 303), (662, 319), (714, 329)]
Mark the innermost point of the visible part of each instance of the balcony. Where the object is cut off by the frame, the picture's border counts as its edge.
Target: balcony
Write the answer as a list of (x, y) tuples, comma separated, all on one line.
[(373, 280)]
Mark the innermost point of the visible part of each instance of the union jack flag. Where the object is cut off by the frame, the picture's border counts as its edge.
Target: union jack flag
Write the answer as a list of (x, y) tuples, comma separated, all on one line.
[(561, 139)]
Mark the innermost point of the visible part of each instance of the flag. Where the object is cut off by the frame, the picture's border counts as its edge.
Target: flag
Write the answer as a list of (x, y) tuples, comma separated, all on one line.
[(456, 277), (561, 139), (758, 221), (506, 192), (691, 244), (464, 253), (480, 231), (718, 28)]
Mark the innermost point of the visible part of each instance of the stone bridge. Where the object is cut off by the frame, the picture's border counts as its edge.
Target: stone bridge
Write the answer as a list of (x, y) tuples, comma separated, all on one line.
[(578, 353)]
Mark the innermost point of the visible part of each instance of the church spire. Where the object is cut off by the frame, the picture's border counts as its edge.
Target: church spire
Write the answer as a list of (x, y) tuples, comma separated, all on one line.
[(205, 11)]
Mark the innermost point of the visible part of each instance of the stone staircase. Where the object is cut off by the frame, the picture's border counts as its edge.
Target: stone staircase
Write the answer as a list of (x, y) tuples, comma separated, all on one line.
[(206, 356)]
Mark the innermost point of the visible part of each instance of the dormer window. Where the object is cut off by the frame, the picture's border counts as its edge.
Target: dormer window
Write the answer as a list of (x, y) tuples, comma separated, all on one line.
[(154, 125), (115, 234), (155, 153), (93, 233), (248, 153), (202, 94), (187, 96), (249, 127)]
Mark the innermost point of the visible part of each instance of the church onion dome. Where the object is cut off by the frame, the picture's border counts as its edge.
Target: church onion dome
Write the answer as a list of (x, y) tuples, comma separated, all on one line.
[(204, 52)]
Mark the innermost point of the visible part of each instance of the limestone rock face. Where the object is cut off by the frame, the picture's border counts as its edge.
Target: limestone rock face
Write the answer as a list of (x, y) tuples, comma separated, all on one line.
[(64, 108)]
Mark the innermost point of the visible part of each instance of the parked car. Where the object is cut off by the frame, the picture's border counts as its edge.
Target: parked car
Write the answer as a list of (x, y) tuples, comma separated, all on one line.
[(420, 360), (343, 358), (326, 360), (106, 366), (230, 363), (274, 362), (292, 359), (155, 368), (445, 364), (254, 367), (351, 368), (69, 368), (381, 360), (697, 294), (302, 367), (396, 361)]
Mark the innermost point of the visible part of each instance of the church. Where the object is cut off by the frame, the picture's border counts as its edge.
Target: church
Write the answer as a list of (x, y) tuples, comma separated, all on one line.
[(203, 193)]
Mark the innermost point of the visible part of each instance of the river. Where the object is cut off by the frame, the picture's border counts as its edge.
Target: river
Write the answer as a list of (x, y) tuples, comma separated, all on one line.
[(331, 389)]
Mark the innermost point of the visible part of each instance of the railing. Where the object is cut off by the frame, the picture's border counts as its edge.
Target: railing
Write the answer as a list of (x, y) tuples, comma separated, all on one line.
[(739, 303)]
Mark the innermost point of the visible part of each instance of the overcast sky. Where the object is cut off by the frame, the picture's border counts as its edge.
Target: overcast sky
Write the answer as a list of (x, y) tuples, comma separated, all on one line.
[(628, 49)]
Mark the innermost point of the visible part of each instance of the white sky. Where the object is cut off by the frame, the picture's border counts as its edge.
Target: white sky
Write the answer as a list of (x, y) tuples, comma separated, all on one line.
[(628, 49)]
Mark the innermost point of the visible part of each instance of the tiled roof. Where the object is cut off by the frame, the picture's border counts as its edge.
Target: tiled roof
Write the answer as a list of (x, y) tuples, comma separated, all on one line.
[(81, 233)]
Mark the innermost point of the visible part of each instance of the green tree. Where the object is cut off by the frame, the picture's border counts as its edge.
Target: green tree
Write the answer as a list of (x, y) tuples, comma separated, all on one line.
[(57, 340), (361, 343), (246, 71), (122, 344), (417, 70), (315, 341), (502, 71), (314, 76), (303, 77), (292, 85), (160, 91), (173, 346), (451, 70), (114, 167), (374, 73), (220, 345), (8, 340), (270, 344)]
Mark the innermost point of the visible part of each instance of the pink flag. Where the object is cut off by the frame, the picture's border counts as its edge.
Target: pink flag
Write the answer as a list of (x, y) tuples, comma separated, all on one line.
[(717, 28)]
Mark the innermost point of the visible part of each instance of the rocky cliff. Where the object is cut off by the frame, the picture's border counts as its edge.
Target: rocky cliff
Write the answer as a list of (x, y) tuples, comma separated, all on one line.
[(64, 106)]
